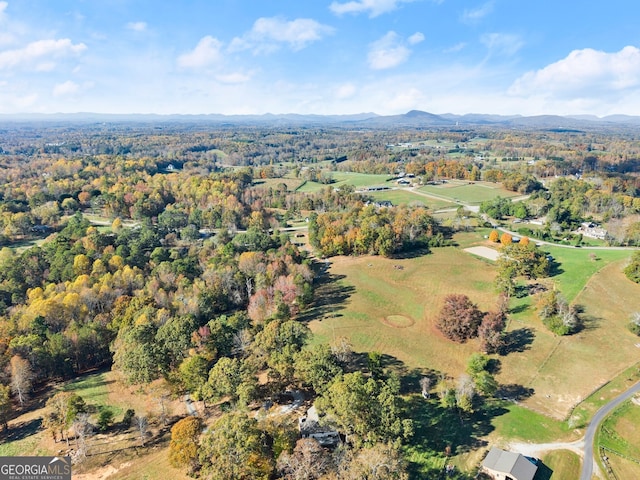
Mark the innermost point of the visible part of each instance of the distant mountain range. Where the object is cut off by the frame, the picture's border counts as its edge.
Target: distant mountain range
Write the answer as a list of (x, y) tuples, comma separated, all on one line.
[(413, 118)]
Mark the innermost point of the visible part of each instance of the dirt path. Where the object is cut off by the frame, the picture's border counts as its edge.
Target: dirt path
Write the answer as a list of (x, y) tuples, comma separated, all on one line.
[(537, 449)]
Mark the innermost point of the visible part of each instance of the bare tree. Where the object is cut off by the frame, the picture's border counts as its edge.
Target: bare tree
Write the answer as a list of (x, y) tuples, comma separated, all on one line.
[(142, 424), (307, 461), (342, 350), (21, 378), (425, 385), (241, 342), (82, 429), (465, 390)]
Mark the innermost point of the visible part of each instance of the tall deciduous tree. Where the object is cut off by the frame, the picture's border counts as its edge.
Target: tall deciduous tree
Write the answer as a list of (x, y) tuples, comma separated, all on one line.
[(21, 378), (183, 448), (459, 318), (366, 410), (235, 448)]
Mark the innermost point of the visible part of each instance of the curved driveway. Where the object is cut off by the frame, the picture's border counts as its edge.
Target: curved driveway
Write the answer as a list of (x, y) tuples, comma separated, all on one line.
[(589, 459)]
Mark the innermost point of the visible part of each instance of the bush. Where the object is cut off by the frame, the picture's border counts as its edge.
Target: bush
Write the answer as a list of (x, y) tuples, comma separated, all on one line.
[(127, 418), (105, 418), (556, 325)]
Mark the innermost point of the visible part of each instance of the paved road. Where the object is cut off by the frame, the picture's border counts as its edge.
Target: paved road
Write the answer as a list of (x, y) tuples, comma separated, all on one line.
[(589, 459)]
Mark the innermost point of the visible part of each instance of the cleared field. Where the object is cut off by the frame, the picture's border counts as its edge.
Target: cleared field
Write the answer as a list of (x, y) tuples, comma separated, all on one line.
[(562, 371), (576, 266), (291, 183), (374, 288), (553, 374), (107, 453), (358, 180), (467, 192), (406, 197)]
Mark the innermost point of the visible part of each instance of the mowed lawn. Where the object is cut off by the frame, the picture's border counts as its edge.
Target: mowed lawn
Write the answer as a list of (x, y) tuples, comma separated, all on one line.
[(358, 180), (468, 192), (416, 287), (406, 197)]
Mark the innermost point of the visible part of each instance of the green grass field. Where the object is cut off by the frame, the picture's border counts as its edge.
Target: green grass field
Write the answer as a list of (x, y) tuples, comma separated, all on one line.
[(291, 183), (463, 191), (358, 180), (406, 197), (562, 464), (576, 267), (377, 287)]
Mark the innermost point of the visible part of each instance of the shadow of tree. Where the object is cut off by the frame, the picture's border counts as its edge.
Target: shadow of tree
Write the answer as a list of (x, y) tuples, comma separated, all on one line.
[(329, 297), (440, 431), (21, 430), (588, 322), (517, 341), (554, 268), (519, 309), (514, 392)]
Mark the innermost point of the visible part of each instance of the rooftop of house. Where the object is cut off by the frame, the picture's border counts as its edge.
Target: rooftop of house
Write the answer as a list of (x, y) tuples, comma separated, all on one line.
[(516, 465)]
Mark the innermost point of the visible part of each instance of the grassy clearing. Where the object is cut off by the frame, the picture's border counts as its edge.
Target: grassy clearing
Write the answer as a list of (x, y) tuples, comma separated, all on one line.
[(94, 389), (586, 409), (563, 371), (406, 197), (291, 183), (576, 266), (563, 464), (358, 180), (368, 289), (556, 373), (468, 192), (519, 423)]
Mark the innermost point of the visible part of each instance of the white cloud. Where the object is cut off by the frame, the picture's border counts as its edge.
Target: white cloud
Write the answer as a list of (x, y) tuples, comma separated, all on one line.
[(474, 15), (374, 7), (387, 52), (6, 38), (234, 78), (416, 38), (40, 50), (66, 88), (137, 26), (455, 48), (3, 7), (206, 52), (502, 43), (345, 90), (268, 33), (584, 73)]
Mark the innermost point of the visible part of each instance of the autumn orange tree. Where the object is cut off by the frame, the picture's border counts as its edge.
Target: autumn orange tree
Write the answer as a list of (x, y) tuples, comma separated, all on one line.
[(183, 448)]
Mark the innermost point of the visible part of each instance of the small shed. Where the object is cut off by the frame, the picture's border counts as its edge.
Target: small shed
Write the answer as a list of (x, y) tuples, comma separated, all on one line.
[(502, 465)]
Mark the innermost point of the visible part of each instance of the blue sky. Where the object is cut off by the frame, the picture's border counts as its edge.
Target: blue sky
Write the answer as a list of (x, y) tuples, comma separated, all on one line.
[(320, 56)]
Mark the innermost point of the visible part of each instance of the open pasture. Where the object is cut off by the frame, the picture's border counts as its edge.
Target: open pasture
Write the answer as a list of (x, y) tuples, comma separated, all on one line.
[(377, 288), (408, 197), (358, 180), (467, 192), (551, 374)]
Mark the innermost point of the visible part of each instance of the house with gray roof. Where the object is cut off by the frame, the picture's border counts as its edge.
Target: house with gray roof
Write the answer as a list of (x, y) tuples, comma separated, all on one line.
[(502, 465)]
